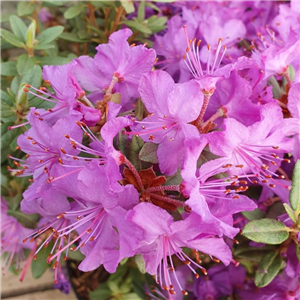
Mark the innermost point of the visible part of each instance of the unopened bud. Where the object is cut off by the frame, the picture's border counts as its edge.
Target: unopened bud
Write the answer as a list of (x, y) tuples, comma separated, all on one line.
[(22, 99), (30, 35)]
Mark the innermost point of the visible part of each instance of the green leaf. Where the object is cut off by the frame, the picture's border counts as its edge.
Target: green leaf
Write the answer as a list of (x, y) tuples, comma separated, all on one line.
[(55, 3), (49, 35), (7, 136), (276, 89), (29, 221), (73, 11), (18, 27), (255, 214), (290, 212), (72, 37), (7, 113), (252, 253), (25, 8), (15, 84), (266, 231), (24, 63), (54, 61), (43, 46), (101, 293), (9, 68), (297, 251), (11, 38), (135, 147), (140, 263), (141, 11), (148, 153), (156, 23), (295, 191), (76, 255), (6, 99), (40, 265), (138, 26), (130, 296), (268, 268), (128, 6)]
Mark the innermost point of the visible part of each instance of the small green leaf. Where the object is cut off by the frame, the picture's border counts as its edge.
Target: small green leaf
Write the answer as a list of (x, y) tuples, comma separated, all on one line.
[(49, 35), (55, 3), (40, 265), (43, 46), (9, 68), (252, 253), (11, 38), (156, 23), (71, 37), (276, 89), (165, 1), (25, 8), (268, 268), (5, 98), (297, 250), (8, 135), (140, 263), (7, 113), (255, 214), (101, 293), (29, 221), (128, 6), (290, 212), (76, 255), (54, 61), (141, 11), (295, 191), (138, 26), (148, 153), (135, 147), (24, 63), (266, 231), (73, 11), (139, 109), (18, 27)]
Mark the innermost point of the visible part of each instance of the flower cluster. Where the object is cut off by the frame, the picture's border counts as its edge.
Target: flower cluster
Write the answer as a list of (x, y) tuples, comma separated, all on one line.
[(161, 158)]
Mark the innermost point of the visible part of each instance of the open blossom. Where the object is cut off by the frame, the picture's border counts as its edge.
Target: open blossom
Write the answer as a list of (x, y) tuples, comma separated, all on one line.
[(249, 149), (12, 236), (163, 238), (172, 107), (117, 67)]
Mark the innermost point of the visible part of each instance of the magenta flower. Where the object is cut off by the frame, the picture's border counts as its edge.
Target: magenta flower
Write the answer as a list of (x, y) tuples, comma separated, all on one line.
[(12, 236), (117, 67), (249, 149), (171, 106), (163, 238)]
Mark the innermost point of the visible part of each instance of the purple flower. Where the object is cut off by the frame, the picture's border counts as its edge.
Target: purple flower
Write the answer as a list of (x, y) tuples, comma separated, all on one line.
[(249, 149), (117, 67), (171, 106), (12, 236), (163, 237)]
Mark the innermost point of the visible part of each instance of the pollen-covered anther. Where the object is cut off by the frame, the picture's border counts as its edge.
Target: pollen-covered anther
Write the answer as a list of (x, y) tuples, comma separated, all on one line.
[(67, 136), (227, 166), (275, 147), (25, 90), (287, 160), (236, 197), (63, 150), (239, 166), (25, 240), (60, 161), (35, 257), (264, 166), (203, 270), (78, 123), (272, 185), (89, 230), (31, 180), (164, 127), (143, 127), (264, 181), (60, 216), (78, 217), (197, 275), (32, 240), (92, 238), (273, 163), (151, 137), (172, 292), (235, 241), (55, 265), (16, 163), (186, 262), (165, 287), (216, 260)]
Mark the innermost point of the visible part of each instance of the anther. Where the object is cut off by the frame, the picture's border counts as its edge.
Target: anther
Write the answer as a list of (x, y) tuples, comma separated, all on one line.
[(63, 150), (203, 271), (25, 90)]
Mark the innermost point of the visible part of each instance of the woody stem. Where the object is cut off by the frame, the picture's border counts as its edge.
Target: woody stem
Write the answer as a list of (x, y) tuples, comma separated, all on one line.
[(198, 122)]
